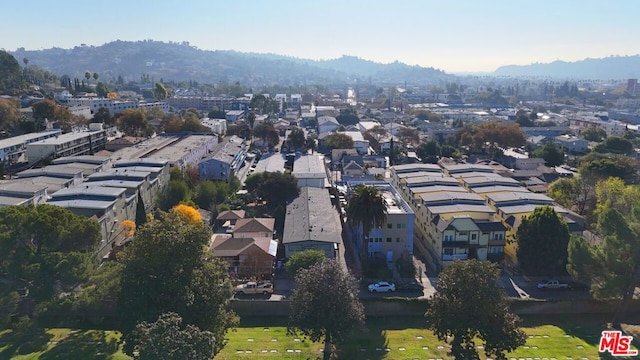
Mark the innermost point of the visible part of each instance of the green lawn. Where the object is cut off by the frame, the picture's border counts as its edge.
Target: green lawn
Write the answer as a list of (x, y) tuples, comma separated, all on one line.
[(558, 337), (550, 337), (61, 344)]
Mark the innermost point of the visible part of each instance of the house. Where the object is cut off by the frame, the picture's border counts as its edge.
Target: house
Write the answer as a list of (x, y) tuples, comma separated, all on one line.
[(227, 219), (224, 160), (338, 154), (248, 258), (353, 169), (310, 170), (572, 144), (359, 142), (327, 124), (312, 222), (254, 228)]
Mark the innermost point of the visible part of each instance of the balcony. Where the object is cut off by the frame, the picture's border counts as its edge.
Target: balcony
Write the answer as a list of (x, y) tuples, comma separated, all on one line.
[(456, 243), (502, 242)]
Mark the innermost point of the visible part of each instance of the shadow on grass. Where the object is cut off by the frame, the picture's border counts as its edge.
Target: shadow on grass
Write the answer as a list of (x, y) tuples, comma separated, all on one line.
[(23, 342), (83, 345), (367, 343), (587, 327)]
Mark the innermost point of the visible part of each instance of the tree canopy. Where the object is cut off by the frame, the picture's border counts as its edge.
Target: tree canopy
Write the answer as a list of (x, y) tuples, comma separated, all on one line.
[(552, 154), (133, 122), (338, 141), (594, 134), (479, 137), (167, 269), (167, 338), (615, 145), (267, 133), (10, 74), (275, 188), (325, 304), (296, 139), (468, 306), (542, 239), (303, 260)]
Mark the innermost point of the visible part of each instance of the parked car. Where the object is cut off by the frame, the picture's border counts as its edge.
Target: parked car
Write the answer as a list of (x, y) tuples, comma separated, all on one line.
[(253, 287), (382, 286), (411, 286), (573, 285), (552, 285)]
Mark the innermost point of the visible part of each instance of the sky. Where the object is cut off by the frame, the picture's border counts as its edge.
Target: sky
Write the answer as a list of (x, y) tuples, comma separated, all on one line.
[(452, 35)]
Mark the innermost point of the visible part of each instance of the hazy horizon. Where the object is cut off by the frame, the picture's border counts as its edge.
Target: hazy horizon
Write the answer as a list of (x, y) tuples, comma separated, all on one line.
[(464, 36)]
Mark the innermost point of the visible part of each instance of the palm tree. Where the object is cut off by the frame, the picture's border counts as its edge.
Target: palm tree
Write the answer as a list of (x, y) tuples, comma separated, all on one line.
[(366, 208)]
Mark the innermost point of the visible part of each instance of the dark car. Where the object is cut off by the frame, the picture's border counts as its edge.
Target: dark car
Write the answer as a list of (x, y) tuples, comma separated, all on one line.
[(573, 285), (411, 286)]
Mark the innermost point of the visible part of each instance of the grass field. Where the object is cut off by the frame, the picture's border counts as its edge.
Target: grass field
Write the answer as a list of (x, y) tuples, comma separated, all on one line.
[(61, 344), (559, 337)]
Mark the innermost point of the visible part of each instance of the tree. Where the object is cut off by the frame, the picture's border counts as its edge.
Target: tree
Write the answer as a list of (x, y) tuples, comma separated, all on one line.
[(367, 209), (594, 134), (133, 122), (102, 90), (87, 76), (103, 116), (95, 76), (469, 305), (275, 188), (338, 141), (552, 154), (167, 338), (409, 135), (42, 111), (9, 114), (11, 79), (251, 118), (542, 239), (296, 139), (167, 269), (241, 130), (428, 152), (599, 166), (303, 260), (160, 92), (267, 133), (348, 116), (141, 214), (577, 191), (615, 145), (177, 192), (325, 304), (492, 133)]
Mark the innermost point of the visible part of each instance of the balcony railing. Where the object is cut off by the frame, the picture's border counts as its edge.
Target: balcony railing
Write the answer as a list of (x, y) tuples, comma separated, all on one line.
[(455, 257)]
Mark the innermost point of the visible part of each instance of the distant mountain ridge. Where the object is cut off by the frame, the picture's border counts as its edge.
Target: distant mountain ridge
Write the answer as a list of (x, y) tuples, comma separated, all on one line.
[(182, 62), (612, 67)]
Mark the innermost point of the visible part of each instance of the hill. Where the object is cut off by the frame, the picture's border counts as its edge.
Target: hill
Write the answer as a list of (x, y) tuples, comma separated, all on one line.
[(182, 62), (612, 67)]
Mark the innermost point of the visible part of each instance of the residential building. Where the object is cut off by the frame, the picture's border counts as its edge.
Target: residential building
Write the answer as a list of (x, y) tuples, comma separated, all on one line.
[(75, 143), (188, 151), (13, 149), (359, 142), (254, 228), (224, 161), (227, 219), (327, 124), (310, 170), (312, 222), (22, 193), (572, 144), (248, 257), (394, 238)]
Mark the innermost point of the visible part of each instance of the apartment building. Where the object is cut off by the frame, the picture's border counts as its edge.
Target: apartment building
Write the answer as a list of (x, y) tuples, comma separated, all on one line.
[(225, 159), (13, 149), (75, 143)]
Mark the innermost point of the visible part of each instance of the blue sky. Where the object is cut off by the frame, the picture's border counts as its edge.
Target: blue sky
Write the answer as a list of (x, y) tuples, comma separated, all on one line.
[(452, 35)]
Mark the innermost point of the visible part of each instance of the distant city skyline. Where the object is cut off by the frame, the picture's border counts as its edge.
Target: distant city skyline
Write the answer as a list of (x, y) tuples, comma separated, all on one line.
[(454, 36)]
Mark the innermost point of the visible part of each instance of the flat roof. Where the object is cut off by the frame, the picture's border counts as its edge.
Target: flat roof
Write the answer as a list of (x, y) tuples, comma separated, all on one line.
[(515, 196), (436, 188), (127, 184), (21, 139), (452, 197), (492, 180), (111, 173), (528, 208), (12, 201), (406, 175), (497, 188), (307, 166), (142, 149), (312, 217), (186, 145), (60, 170), (85, 159), (474, 174), (436, 180), (271, 163), (409, 168), (444, 209), (26, 188), (147, 162), (452, 168), (227, 150), (68, 137), (89, 190), (52, 184), (82, 204)]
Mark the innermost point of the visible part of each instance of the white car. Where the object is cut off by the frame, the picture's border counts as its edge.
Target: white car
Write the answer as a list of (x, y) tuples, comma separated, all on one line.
[(382, 286)]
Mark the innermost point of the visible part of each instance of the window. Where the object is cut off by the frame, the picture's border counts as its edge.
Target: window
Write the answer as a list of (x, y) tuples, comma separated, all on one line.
[(474, 236), (398, 226), (448, 238), (389, 226), (448, 251), (496, 250), (498, 236), (398, 240), (388, 239)]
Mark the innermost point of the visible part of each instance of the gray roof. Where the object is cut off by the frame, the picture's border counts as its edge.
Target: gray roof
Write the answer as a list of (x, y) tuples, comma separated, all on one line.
[(312, 217), (65, 138), (416, 181), (127, 184), (23, 139), (84, 159), (226, 150), (176, 151), (309, 166), (489, 180), (515, 196), (407, 175), (528, 208), (451, 197), (65, 171), (52, 184), (409, 168), (436, 188), (146, 162), (87, 190), (455, 168), (459, 208), (82, 204), (497, 188), (118, 173), (474, 174), (12, 201)]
